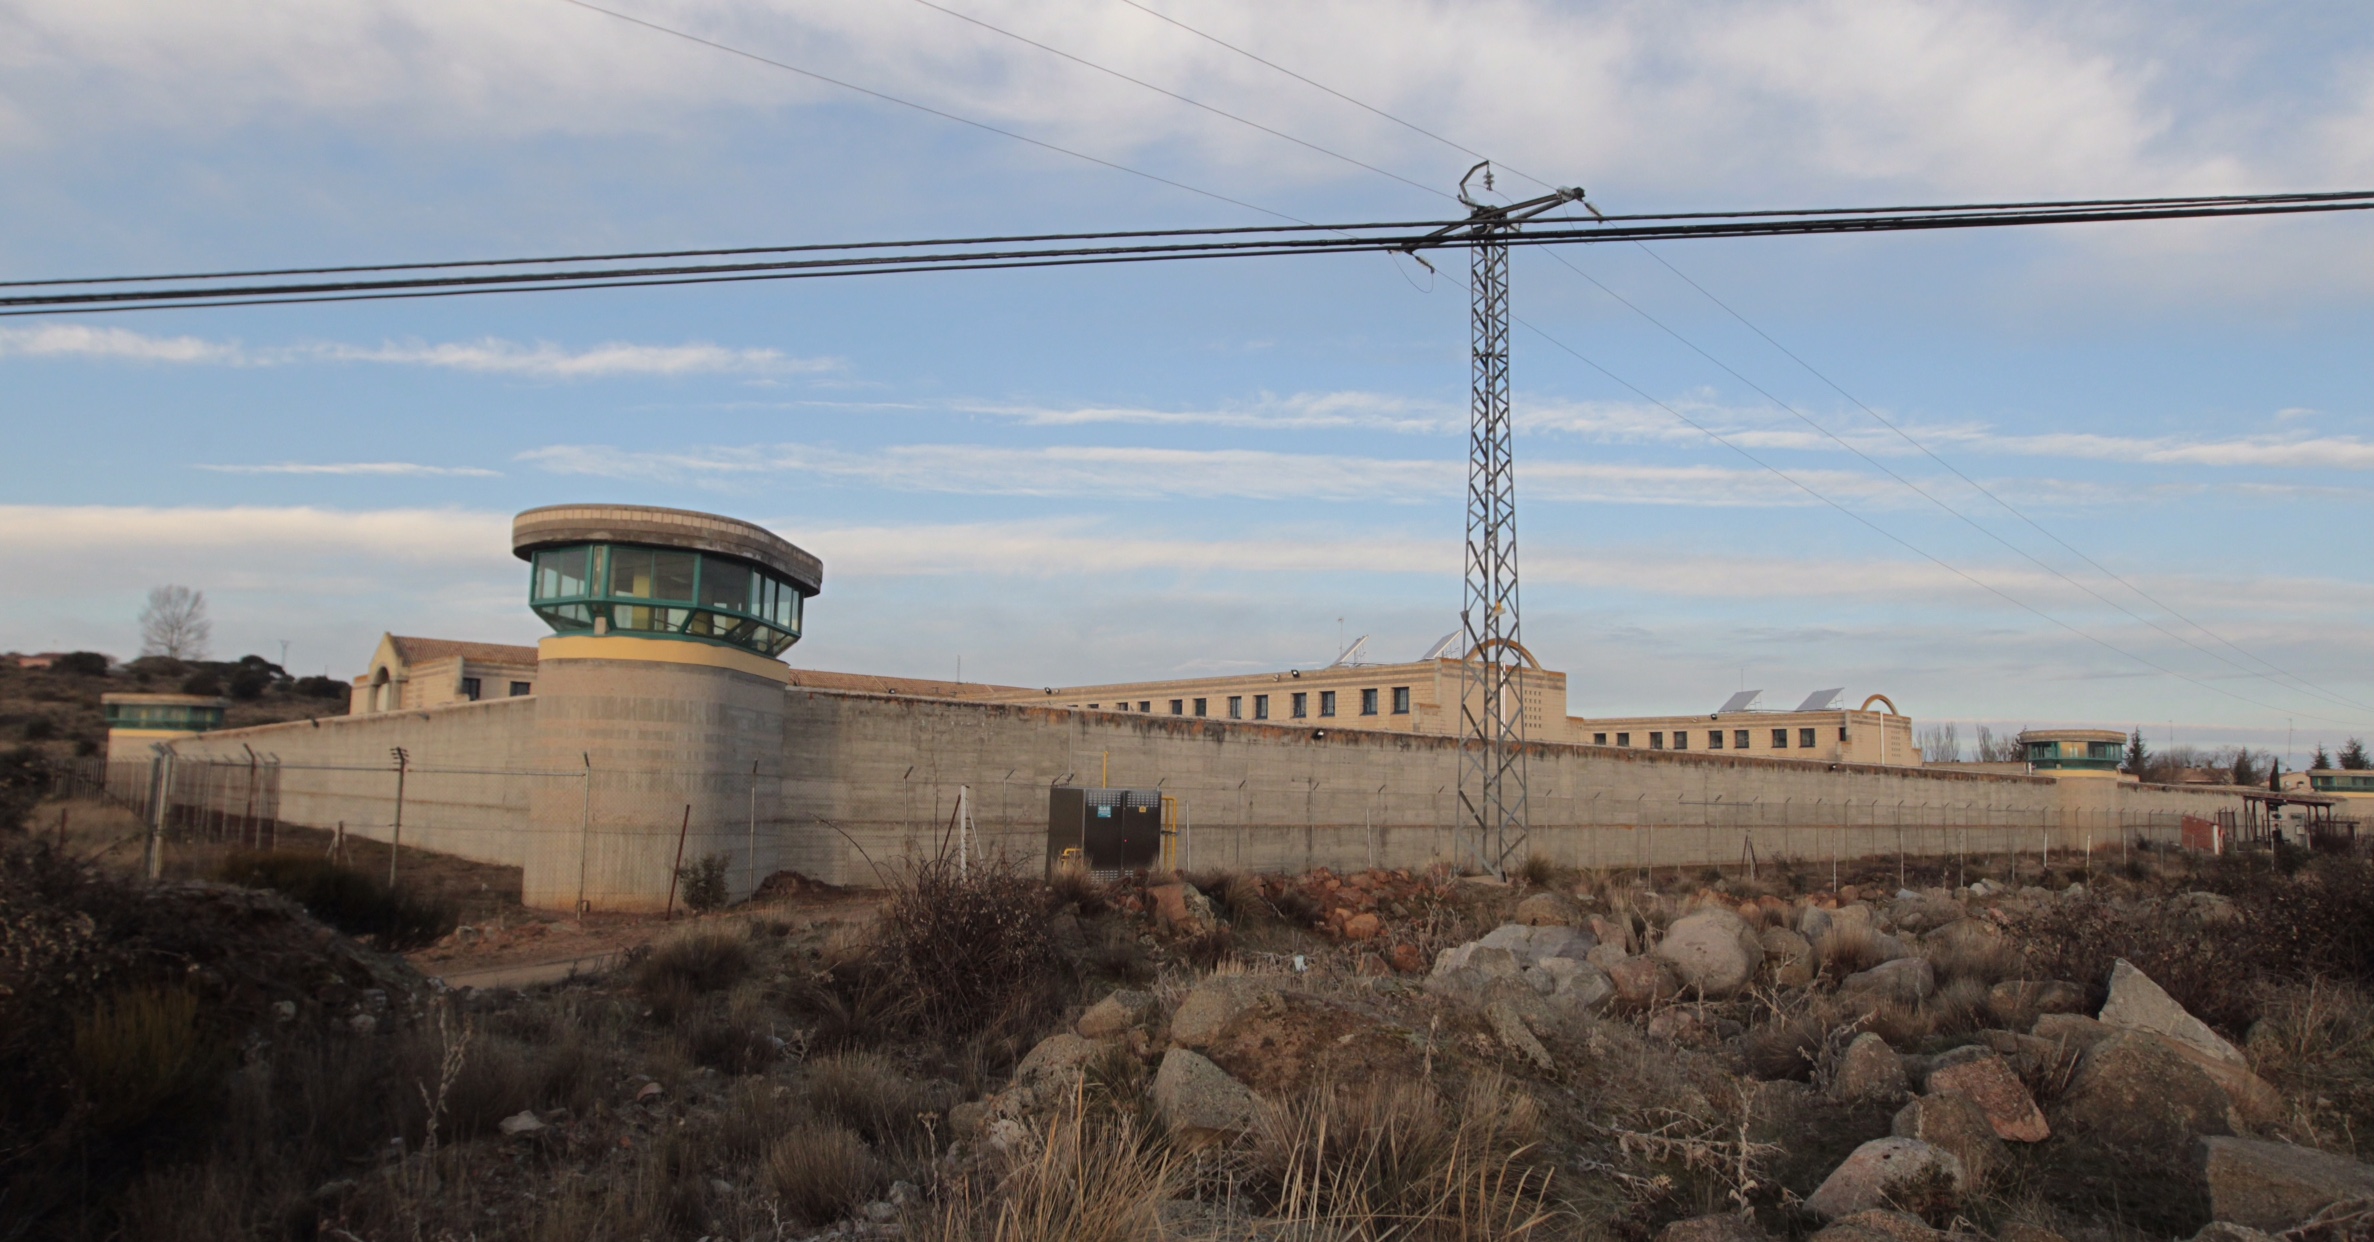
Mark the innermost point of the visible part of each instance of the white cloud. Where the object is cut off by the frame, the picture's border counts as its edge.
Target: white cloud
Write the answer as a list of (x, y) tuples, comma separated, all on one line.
[(489, 355), (1085, 470), (427, 536), (402, 468)]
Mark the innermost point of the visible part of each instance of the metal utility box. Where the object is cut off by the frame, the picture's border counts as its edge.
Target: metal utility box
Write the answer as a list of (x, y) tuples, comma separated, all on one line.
[(1109, 832)]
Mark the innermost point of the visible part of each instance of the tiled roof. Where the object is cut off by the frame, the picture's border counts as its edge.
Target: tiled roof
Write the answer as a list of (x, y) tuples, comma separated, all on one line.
[(421, 650)]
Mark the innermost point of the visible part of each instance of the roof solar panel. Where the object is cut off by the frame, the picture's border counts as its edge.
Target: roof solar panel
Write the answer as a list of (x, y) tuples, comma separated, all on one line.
[(1821, 700), (1740, 702)]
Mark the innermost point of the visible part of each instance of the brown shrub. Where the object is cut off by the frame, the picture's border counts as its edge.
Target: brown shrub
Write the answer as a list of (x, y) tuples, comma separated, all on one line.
[(1091, 1178), (1850, 950), (2080, 940), (820, 1173), (972, 949), (866, 1093), (682, 970)]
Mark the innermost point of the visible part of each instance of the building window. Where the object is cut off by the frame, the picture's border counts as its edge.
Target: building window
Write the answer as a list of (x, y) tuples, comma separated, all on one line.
[(1236, 707), (1368, 702), (1200, 707), (1681, 740), (1302, 704), (1739, 739), (1780, 739), (470, 688), (1623, 739), (1842, 733), (1656, 741), (1401, 700), (1714, 739), (1178, 707), (1095, 706), (1805, 739), (1145, 706), (1599, 739), (519, 688), (1260, 707), (1327, 702)]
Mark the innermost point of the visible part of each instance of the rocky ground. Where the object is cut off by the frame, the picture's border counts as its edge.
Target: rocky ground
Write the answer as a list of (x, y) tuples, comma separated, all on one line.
[(1378, 1055)]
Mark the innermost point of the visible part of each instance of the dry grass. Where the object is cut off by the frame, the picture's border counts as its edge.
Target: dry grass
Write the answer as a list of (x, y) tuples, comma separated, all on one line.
[(1398, 1160), (1850, 950), (681, 971), (865, 1092), (1080, 1177), (819, 1173)]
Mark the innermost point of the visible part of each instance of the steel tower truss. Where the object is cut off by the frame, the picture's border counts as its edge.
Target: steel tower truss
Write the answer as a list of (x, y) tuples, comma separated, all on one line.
[(1492, 800)]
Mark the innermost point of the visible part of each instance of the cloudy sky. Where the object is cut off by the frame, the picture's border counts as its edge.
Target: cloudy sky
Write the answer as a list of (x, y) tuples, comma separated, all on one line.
[(2131, 484)]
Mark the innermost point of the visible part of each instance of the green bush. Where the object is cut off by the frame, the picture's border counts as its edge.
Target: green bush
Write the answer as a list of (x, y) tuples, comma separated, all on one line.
[(349, 900), (704, 882), (82, 664)]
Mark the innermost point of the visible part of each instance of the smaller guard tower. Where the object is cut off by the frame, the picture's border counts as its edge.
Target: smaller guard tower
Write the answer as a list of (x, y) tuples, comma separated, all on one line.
[(137, 721)]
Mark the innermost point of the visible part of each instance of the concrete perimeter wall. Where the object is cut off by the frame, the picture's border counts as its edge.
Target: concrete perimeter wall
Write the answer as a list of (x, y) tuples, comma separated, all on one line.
[(866, 781), (879, 776), (473, 770)]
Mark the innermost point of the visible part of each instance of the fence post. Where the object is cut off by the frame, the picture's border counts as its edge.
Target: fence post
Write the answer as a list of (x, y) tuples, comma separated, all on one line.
[(584, 829), (160, 795), (396, 839), (678, 869), (753, 848)]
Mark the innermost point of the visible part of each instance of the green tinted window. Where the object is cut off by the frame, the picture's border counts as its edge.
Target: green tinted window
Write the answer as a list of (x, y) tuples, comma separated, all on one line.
[(560, 573)]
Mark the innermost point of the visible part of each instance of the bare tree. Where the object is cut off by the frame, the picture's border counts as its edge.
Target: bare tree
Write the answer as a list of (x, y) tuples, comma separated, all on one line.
[(174, 623), (1993, 749), (1941, 744)]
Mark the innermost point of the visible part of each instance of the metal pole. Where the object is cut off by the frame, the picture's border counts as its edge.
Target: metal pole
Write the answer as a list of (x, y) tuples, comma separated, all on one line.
[(753, 847), (160, 794), (584, 830), (678, 869), (396, 839)]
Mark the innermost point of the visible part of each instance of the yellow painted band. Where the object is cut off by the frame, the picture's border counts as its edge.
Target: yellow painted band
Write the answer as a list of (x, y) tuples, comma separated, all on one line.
[(660, 651)]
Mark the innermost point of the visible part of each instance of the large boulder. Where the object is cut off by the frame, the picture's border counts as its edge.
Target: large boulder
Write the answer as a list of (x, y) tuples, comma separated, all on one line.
[(1711, 951), (1052, 1067), (1214, 1003), (2275, 1186), (1889, 1172), (1509, 1027), (1957, 1124), (2017, 1002), (1642, 981), (1197, 1100), (1549, 910), (1877, 1225), (1570, 984), (1118, 1014), (1182, 909), (1789, 956), (1613, 931), (1906, 980), (2154, 1093), (1533, 944), (1729, 1227), (1989, 1082), (1869, 1072), (2073, 1031), (2138, 1004)]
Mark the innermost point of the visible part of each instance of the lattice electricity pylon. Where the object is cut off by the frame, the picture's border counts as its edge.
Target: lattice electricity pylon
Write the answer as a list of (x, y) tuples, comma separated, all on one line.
[(1492, 799)]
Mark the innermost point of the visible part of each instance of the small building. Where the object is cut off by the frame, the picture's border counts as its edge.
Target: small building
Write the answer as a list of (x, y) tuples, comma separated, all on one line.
[(137, 721), (2350, 784), (2074, 752), (411, 673)]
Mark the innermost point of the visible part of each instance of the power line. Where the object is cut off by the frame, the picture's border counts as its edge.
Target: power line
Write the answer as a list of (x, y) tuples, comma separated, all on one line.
[(1193, 103), (2298, 685), (420, 280), (925, 108)]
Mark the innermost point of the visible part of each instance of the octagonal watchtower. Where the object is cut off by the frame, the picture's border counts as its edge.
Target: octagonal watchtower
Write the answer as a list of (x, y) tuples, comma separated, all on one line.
[(660, 683)]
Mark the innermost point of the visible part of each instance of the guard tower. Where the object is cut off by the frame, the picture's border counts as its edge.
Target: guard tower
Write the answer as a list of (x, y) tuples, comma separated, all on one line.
[(661, 680)]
